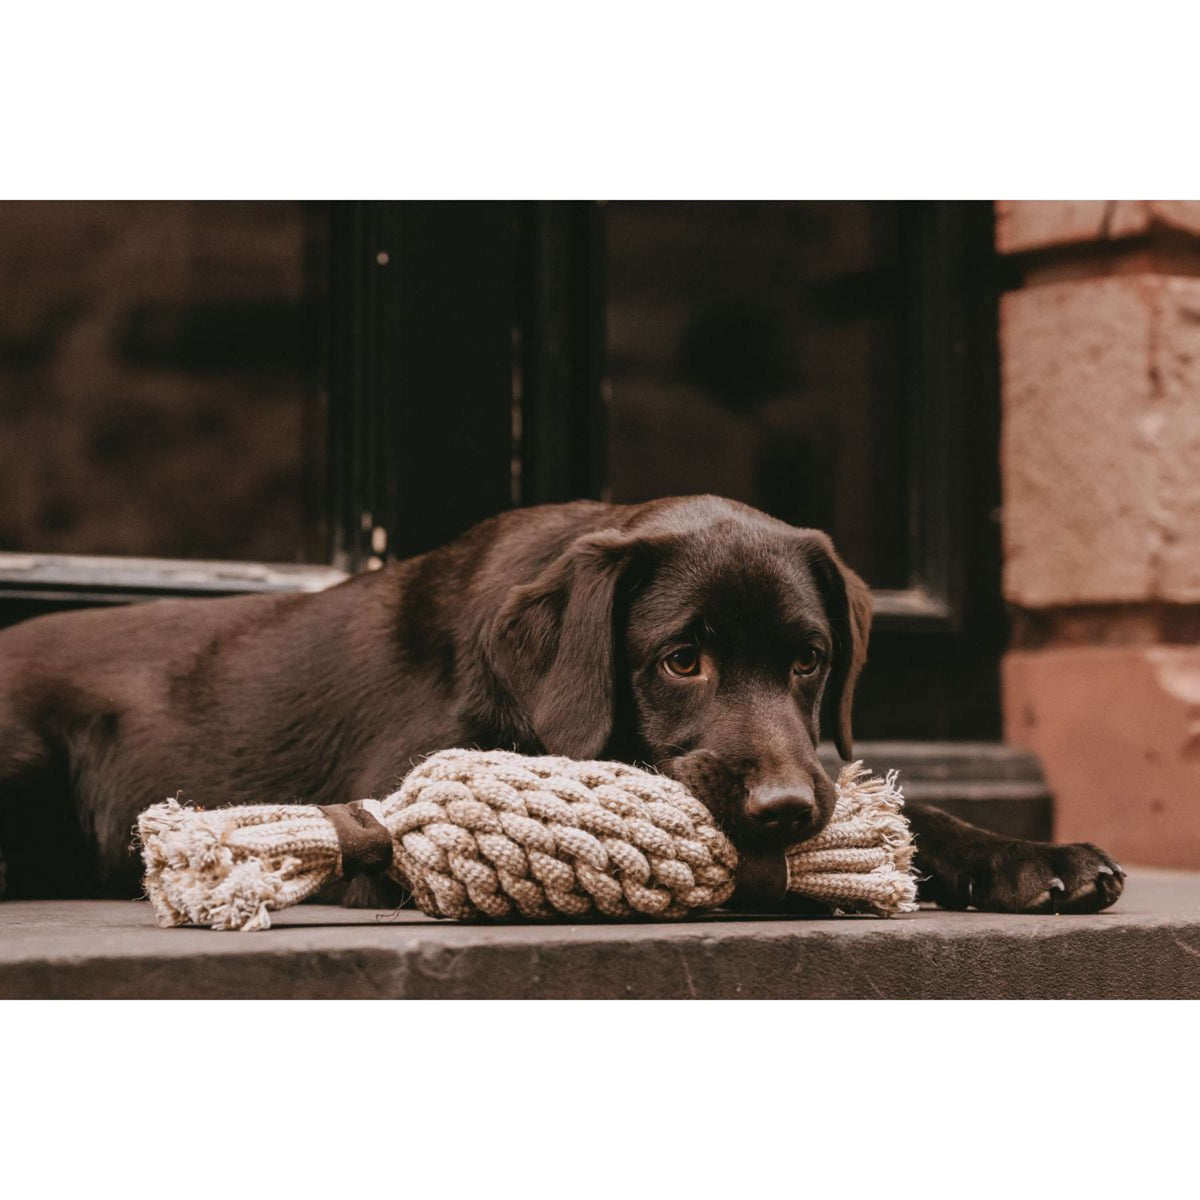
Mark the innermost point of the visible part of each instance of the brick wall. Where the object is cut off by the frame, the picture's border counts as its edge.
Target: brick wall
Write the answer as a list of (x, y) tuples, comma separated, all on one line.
[(1100, 340), (155, 396)]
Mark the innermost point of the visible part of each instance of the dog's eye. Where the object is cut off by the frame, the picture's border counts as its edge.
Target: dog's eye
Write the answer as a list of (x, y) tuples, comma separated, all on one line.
[(682, 662), (808, 660)]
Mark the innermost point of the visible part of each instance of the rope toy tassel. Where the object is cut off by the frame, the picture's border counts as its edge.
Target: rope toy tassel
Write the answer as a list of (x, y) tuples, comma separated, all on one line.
[(862, 861), (227, 868), (494, 834)]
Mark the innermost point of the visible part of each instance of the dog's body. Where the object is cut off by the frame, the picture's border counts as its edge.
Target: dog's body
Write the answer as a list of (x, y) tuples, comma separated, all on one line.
[(694, 634)]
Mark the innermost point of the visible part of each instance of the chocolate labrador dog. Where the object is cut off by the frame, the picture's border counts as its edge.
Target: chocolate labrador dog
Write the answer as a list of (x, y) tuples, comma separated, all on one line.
[(694, 634)]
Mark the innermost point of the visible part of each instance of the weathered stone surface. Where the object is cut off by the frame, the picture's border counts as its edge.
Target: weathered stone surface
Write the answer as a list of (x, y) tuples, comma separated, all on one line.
[(1101, 393), (990, 784), (1023, 225), (1033, 224), (1176, 438), (1117, 729), (1077, 455), (1147, 946), (1177, 214)]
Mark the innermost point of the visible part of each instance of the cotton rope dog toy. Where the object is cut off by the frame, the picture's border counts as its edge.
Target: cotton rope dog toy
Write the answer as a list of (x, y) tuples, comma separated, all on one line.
[(495, 834)]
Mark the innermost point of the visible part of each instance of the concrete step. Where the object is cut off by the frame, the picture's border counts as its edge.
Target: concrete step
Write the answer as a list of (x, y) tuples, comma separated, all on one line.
[(1148, 946), (990, 784)]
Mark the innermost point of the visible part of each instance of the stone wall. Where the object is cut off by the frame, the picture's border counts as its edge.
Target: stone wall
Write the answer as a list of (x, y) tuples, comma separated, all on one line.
[(1100, 340)]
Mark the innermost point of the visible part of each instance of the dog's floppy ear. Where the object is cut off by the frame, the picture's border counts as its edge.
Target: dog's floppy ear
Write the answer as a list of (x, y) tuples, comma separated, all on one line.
[(553, 645), (848, 607)]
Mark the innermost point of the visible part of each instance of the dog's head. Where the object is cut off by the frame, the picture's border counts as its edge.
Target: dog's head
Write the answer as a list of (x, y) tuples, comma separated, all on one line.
[(702, 637)]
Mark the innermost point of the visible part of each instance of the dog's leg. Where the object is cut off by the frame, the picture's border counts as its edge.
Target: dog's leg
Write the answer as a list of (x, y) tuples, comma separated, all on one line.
[(962, 866), (19, 751), (44, 849), (378, 892)]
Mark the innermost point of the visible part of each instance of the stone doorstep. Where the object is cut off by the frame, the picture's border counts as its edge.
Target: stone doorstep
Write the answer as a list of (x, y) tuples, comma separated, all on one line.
[(992, 784), (1148, 946)]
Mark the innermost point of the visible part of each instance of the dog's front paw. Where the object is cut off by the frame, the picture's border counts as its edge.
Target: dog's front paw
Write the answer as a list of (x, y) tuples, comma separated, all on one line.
[(1037, 877)]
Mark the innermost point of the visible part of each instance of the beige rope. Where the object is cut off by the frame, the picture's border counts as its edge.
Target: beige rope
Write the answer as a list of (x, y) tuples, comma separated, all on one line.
[(496, 834)]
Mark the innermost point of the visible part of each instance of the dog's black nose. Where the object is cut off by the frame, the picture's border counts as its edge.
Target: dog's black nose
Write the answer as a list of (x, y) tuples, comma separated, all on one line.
[(785, 813)]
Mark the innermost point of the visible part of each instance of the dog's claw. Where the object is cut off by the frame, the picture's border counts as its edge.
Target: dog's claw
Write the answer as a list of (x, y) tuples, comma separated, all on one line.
[(1120, 870), (1057, 885), (1105, 871)]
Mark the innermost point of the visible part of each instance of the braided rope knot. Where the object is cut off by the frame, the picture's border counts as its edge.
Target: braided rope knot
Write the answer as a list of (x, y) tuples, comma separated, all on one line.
[(493, 832), (498, 834)]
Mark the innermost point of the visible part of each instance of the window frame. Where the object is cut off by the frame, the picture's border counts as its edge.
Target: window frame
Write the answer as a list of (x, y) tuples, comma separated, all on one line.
[(948, 251)]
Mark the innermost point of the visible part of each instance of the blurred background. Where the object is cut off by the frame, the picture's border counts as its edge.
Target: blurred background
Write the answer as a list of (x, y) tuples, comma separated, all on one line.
[(994, 410)]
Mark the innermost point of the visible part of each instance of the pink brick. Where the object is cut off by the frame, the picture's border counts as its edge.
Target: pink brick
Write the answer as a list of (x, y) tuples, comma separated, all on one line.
[(1101, 441), (1177, 439), (1077, 456), (1118, 733), (1023, 225), (1177, 214), (1034, 224)]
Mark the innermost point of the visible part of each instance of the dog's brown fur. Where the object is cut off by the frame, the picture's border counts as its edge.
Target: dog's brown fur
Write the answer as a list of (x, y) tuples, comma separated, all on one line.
[(543, 630)]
